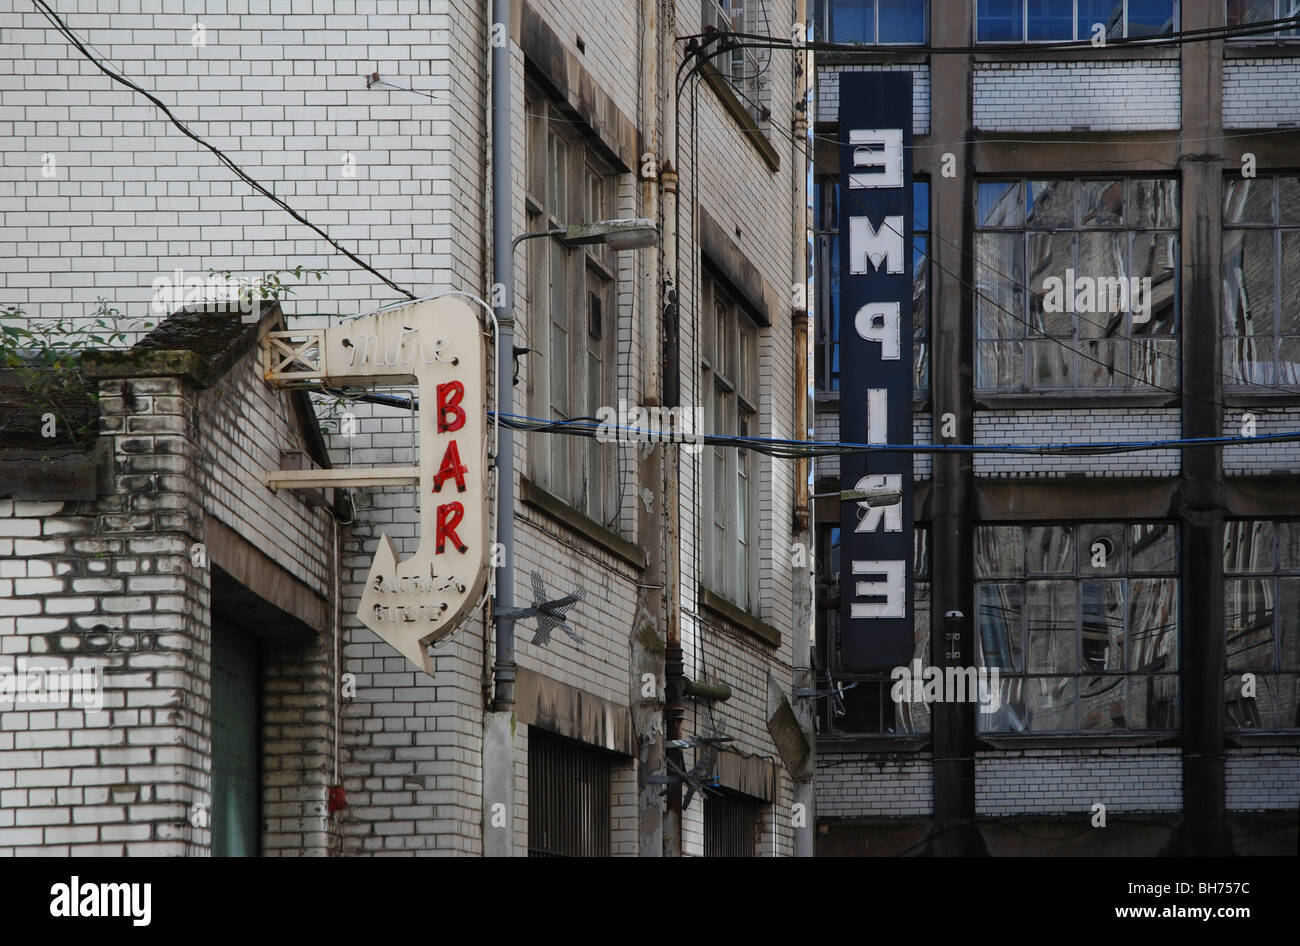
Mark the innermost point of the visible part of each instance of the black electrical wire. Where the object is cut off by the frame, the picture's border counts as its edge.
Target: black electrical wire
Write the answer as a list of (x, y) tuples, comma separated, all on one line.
[(63, 29)]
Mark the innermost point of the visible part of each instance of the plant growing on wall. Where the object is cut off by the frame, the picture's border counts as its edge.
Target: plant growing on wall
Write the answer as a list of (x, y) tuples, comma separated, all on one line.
[(42, 360)]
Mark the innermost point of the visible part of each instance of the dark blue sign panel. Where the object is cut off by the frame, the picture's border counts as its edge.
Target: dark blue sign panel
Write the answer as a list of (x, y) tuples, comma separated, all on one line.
[(875, 212)]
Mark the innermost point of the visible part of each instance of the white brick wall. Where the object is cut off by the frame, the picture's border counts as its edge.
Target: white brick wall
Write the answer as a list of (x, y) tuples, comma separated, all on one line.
[(1060, 96), (1077, 425), (1261, 458), (1263, 779), (827, 429), (1261, 93), (1071, 781), (828, 92), (856, 785)]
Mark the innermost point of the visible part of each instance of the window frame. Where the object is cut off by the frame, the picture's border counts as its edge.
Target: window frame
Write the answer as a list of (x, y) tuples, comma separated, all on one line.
[(1274, 574), (1275, 37), (1021, 285), (580, 471), (1125, 574), (739, 399), (712, 14), (822, 25), (1274, 384), (1074, 25)]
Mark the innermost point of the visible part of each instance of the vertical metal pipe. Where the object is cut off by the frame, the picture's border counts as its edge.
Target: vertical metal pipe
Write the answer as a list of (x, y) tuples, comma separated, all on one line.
[(674, 710), (503, 273), (802, 611)]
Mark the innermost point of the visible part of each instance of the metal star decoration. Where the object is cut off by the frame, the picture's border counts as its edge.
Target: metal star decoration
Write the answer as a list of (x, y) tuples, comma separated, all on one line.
[(549, 614)]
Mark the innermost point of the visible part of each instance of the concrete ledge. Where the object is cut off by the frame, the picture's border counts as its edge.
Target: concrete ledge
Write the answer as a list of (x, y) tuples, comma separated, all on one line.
[(748, 127), (530, 494), (766, 633), (60, 473), (740, 276), (575, 714)]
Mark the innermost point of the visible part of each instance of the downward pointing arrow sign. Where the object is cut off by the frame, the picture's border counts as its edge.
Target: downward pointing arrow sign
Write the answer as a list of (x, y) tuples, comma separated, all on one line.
[(439, 346)]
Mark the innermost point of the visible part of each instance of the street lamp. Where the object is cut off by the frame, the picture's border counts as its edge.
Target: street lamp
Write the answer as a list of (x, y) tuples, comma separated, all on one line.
[(630, 233)]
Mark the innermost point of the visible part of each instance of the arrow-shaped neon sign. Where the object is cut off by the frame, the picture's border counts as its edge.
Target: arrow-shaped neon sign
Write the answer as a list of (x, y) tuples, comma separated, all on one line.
[(437, 344)]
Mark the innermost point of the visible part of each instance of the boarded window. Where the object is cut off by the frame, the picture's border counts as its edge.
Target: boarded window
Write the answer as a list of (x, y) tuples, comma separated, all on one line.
[(568, 798)]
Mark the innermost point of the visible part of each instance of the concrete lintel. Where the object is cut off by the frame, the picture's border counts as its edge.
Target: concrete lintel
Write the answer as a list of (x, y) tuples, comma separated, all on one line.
[(1074, 498), (754, 776), (575, 714), (264, 577)]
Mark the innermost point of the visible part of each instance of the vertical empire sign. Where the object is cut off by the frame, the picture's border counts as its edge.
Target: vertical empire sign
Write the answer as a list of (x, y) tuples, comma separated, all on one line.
[(875, 337)]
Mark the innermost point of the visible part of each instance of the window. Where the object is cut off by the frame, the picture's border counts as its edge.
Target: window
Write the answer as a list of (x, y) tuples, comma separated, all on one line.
[(1261, 603), (730, 390), (568, 798), (1046, 21), (1081, 622), (1098, 259), (571, 316), (745, 68), (872, 22), (1242, 12), (862, 704), (828, 275), (730, 825), (1261, 295)]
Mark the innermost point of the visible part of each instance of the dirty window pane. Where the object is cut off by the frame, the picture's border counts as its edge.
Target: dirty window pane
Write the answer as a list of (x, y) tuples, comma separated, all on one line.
[(1248, 200), (1248, 610), (1048, 256), (1049, 204), (1050, 550), (1050, 620), (1288, 546), (1101, 630), (1101, 548), (1101, 203), (1288, 200), (1102, 704), (999, 620), (1248, 546), (999, 204), (1151, 546), (1152, 702), (999, 275), (999, 551), (1153, 624), (1104, 297), (1050, 703), (1153, 203)]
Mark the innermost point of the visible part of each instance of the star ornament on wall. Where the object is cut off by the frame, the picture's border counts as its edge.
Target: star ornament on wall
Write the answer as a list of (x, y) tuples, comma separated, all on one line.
[(550, 614)]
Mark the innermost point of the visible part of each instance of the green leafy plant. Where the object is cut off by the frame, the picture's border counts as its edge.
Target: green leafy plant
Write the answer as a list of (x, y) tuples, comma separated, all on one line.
[(43, 360), (271, 284)]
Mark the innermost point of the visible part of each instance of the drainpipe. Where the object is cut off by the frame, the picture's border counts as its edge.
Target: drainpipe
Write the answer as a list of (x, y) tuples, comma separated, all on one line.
[(499, 724), (803, 530), (648, 649), (675, 708)]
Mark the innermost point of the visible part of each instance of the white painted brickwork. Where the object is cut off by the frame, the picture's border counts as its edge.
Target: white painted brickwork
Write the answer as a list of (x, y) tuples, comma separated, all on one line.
[(1261, 93), (828, 92), (1061, 96), (828, 429), (856, 785), (1261, 458), (1077, 425), (1071, 781), (1263, 779)]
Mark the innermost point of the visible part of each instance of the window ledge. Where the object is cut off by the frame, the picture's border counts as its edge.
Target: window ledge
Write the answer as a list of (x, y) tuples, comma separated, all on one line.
[(1049, 401), (530, 494), (720, 606), (1259, 48), (1255, 738), (874, 745), (748, 126), (1041, 52), (1244, 397), (1014, 741)]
